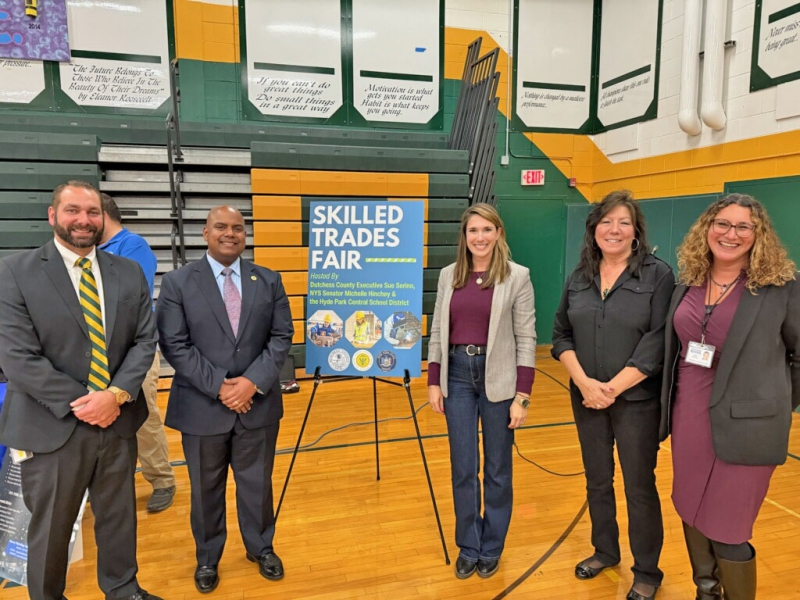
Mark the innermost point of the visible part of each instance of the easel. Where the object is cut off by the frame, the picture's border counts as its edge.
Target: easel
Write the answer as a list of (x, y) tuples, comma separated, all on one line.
[(407, 385)]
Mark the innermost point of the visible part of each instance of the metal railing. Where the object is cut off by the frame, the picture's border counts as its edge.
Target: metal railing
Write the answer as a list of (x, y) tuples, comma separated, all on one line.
[(175, 155), (475, 124)]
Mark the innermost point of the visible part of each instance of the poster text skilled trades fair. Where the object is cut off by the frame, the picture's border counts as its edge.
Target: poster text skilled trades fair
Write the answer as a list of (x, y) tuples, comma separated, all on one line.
[(364, 313)]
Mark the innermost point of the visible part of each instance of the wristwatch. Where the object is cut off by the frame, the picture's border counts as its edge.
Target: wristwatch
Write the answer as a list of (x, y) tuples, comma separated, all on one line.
[(522, 401), (121, 395)]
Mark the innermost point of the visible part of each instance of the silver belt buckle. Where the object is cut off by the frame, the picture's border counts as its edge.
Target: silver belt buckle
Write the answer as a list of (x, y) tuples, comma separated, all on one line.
[(471, 353)]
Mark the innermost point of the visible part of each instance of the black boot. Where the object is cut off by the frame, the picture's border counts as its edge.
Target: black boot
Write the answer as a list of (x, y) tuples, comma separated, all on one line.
[(704, 564), (738, 578)]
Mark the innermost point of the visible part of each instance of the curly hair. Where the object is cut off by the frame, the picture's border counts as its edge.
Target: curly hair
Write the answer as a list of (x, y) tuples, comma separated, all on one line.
[(498, 267), (591, 255), (769, 262)]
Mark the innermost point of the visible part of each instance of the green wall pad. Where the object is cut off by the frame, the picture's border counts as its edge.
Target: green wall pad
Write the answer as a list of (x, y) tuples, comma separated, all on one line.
[(44, 176), (441, 256), (25, 234), (48, 146), (24, 205), (149, 131), (336, 136), (357, 158), (430, 279), (448, 186)]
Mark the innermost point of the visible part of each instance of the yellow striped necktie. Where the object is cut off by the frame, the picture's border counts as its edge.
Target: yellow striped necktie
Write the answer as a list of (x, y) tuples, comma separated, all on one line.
[(99, 377)]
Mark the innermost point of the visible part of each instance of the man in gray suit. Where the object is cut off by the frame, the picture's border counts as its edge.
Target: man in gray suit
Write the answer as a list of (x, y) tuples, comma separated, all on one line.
[(225, 326), (76, 339)]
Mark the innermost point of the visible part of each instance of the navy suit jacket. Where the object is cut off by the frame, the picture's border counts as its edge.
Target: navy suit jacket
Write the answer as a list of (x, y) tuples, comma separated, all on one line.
[(196, 338), (45, 348)]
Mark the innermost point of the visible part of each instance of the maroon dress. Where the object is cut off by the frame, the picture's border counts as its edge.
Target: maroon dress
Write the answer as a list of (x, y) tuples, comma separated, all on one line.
[(719, 499)]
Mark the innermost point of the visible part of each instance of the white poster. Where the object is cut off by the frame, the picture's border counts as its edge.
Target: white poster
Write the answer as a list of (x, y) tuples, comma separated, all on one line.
[(627, 74), (294, 57), (20, 80), (779, 40), (120, 54), (554, 63), (396, 60)]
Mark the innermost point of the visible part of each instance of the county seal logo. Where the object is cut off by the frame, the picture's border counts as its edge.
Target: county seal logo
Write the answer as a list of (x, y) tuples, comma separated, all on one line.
[(339, 359), (362, 360)]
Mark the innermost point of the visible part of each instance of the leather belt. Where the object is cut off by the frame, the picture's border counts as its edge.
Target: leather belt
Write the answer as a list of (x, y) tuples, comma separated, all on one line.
[(469, 349)]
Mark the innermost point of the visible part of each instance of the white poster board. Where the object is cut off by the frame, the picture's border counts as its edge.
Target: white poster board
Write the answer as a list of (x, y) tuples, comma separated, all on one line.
[(120, 54), (628, 65), (20, 80), (396, 60), (294, 57), (777, 37), (554, 63)]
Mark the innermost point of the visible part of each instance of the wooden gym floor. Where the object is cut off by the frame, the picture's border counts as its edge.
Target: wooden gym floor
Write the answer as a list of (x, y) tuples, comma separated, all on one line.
[(342, 534)]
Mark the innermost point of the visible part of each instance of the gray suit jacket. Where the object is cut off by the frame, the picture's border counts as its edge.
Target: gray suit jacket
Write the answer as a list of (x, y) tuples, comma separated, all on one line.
[(512, 331), (45, 348), (757, 383), (196, 338)]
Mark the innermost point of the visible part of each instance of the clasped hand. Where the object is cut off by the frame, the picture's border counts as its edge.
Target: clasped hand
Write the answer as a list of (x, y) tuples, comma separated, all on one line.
[(237, 394), (596, 394), (96, 408)]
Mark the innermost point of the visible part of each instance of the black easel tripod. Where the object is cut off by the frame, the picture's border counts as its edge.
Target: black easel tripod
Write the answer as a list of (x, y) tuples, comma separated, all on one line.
[(407, 385)]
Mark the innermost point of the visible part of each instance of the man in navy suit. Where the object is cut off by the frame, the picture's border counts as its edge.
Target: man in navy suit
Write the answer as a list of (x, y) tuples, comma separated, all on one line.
[(225, 326)]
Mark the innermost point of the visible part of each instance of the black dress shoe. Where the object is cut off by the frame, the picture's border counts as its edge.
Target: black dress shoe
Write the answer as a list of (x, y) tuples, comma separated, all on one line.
[(584, 571), (633, 595), (464, 568), (206, 579), (488, 567), (269, 565), (142, 595)]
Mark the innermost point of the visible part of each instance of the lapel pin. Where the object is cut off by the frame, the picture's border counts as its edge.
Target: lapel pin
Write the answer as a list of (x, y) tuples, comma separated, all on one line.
[(253, 277)]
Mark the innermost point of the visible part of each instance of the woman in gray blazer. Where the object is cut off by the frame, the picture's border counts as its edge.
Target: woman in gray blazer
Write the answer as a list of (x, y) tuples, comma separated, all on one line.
[(732, 380), (609, 335), (481, 368)]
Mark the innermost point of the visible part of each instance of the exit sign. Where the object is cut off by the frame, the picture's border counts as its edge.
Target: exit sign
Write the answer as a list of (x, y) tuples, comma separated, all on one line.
[(533, 177)]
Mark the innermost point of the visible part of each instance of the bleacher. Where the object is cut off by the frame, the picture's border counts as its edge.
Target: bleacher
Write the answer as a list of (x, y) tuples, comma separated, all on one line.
[(271, 173)]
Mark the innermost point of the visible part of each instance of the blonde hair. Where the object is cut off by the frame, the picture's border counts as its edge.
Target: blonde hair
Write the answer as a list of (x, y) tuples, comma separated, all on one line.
[(498, 266), (769, 262)]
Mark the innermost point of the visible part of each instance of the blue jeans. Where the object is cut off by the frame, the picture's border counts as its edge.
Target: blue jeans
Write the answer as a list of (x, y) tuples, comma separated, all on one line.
[(478, 536)]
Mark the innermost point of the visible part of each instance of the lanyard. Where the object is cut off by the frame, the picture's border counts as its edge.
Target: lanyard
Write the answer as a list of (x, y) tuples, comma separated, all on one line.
[(710, 309)]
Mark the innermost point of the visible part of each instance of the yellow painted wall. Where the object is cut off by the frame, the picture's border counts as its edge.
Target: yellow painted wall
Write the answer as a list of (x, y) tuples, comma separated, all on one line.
[(207, 32)]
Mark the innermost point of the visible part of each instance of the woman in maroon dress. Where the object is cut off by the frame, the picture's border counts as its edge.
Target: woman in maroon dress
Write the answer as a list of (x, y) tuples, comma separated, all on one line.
[(729, 386)]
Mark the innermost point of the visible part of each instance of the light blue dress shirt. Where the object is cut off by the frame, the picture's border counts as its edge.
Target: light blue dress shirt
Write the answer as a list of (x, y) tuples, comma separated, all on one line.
[(236, 276)]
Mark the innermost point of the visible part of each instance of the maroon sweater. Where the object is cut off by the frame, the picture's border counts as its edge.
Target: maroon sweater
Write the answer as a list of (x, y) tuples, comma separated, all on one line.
[(470, 310)]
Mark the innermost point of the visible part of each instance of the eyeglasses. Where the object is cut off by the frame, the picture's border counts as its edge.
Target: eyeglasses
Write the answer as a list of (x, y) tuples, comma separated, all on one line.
[(743, 230)]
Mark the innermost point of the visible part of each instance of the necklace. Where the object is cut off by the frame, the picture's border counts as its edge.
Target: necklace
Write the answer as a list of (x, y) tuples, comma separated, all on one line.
[(724, 286), (479, 280), (614, 274)]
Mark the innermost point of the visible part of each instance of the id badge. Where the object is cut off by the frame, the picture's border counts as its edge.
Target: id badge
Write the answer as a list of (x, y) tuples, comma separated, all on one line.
[(19, 456), (700, 354)]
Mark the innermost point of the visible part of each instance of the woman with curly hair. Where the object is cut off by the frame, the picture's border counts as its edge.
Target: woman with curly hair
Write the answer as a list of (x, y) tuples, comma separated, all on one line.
[(729, 387)]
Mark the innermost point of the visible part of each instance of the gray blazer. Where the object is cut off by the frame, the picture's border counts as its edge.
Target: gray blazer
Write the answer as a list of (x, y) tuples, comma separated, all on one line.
[(512, 331), (45, 348), (757, 383)]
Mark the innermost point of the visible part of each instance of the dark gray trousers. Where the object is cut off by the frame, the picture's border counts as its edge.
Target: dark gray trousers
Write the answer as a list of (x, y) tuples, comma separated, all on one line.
[(53, 485), (251, 455)]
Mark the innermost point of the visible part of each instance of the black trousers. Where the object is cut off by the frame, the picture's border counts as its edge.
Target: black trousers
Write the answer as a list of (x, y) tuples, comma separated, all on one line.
[(53, 485), (634, 428), (251, 455)]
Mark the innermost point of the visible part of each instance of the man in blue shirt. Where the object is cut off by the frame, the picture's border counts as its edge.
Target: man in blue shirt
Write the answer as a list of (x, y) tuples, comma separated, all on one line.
[(153, 450)]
